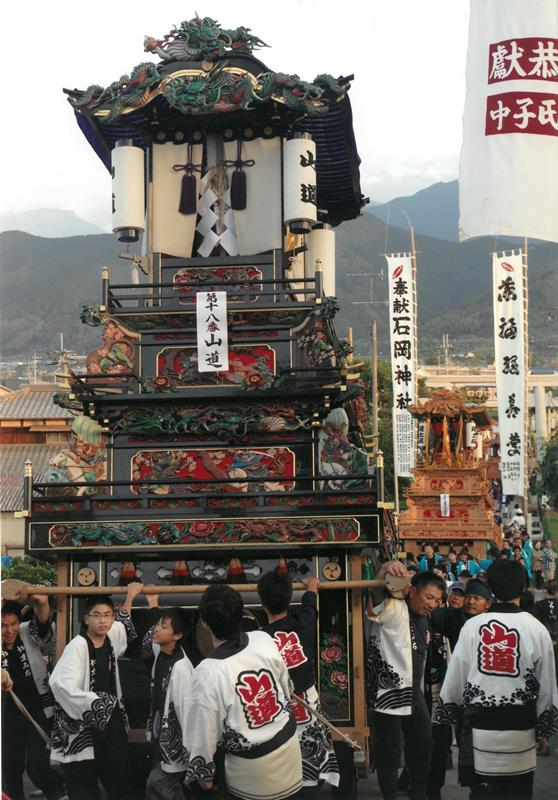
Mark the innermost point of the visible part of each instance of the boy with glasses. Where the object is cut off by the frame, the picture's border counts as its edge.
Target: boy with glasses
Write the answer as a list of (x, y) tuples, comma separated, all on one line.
[(89, 734)]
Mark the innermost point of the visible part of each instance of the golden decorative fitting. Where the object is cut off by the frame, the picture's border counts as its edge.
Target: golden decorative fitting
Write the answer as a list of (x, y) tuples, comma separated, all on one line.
[(21, 514), (29, 469), (105, 273)]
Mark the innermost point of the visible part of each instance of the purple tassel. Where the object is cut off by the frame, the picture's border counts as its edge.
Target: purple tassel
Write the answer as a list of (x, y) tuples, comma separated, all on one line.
[(238, 190), (188, 196)]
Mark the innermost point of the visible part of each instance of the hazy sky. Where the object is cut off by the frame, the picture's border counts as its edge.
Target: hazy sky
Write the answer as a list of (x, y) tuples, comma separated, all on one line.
[(408, 58)]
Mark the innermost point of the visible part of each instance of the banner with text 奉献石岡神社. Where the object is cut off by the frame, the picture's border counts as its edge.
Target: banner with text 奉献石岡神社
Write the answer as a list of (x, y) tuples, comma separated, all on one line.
[(508, 178), (403, 344)]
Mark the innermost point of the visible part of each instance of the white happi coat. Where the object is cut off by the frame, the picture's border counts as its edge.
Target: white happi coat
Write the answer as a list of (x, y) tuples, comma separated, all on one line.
[(502, 671), (174, 757), (389, 663), (34, 654), (240, 697), (79, 710)]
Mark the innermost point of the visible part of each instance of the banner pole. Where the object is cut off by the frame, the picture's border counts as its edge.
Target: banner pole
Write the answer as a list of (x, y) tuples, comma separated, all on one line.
[(527, 373)]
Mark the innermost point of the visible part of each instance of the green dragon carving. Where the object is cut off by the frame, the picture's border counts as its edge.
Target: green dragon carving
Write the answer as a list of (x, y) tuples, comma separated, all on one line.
[(214, 91), (129, 91), (92, 316), (200, 38), (214, 420), (62, 399)]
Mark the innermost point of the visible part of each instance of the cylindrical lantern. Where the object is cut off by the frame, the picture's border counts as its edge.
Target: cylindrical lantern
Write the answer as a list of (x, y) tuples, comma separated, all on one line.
[(299, 183), (479, 450), (128, 191), (470, 434), (321, 247)]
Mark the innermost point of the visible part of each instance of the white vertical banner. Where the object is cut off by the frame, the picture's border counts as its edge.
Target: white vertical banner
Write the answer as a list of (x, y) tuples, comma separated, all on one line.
[(403, 343), (511, 374), (445, 505), (510, 121), (212, 332)]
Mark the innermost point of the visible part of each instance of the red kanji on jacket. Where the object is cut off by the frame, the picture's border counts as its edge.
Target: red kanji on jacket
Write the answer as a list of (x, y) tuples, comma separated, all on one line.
[(258, 695), (301, 713), (498, 652), (290, 648)]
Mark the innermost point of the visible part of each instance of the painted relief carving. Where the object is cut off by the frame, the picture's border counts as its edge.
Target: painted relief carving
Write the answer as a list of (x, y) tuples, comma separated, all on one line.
[(236, 465), (250, 366), (84, 460), (116, 356), (240, 286), (202, 531), (316, 338), (221, 421), (337, 456)]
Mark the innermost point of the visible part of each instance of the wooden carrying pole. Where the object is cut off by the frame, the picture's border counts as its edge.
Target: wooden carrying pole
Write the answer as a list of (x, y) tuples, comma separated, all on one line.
[(18, 590)]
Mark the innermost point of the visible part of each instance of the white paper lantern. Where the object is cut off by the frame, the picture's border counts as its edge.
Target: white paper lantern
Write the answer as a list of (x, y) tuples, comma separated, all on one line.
[(471, 434), (299, 183), (321, 247), (128, 191), (479, 450)]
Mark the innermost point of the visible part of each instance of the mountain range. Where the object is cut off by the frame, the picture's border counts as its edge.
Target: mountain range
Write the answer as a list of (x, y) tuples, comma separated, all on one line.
[(433, 211), (45, 281), (52, 223)]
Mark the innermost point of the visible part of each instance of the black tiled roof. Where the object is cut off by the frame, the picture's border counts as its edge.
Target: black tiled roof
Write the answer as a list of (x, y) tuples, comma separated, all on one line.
[(12, 465), (31, 404)]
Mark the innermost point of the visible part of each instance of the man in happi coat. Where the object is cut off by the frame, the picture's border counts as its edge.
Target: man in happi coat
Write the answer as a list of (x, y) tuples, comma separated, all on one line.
[(501, 679), (240, 697), (171, 678), (295, 636), (89, 734), (26, 647), (397, 651)]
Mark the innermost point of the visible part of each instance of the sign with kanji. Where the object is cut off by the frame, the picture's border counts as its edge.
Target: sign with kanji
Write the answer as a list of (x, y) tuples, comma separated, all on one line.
[(258, 695), (510, 121), (509, 354), (402, 322), (212, 331), (445, 505), (290, 647), (498, 650)]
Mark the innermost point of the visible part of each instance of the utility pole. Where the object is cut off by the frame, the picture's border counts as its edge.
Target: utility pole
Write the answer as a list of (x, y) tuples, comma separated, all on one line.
[(446, 348)]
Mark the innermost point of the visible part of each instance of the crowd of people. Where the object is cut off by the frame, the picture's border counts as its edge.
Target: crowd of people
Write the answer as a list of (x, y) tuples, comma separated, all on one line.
[(239, 724), (458, 656), (487, 676)]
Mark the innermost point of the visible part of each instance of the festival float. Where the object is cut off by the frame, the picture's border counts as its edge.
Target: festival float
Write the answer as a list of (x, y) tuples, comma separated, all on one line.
[(220, 426), (449, 501)]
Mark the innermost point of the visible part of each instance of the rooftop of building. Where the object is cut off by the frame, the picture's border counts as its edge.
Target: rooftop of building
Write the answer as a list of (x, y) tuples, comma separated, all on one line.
[(12, 466), (32, 402)]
